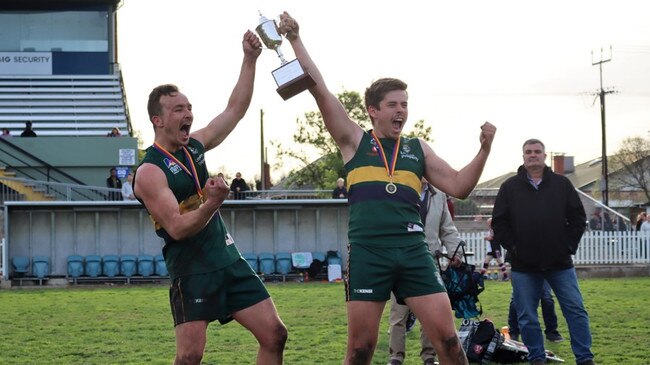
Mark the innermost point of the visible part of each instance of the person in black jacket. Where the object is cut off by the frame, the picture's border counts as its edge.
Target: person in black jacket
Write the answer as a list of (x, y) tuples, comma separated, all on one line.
[(239, 187), (539, 218)]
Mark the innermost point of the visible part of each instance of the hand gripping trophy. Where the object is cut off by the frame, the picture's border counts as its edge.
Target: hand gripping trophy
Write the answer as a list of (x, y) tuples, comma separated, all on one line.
[(290, 77)]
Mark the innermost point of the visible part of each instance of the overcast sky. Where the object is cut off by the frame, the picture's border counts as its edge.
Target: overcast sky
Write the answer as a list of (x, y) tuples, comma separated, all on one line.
[(525, 66)]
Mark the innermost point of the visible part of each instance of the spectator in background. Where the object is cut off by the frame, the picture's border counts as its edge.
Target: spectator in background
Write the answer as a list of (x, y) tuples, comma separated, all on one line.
[(239, 187), (340, 192), (539, 219), (114, 182), (5, 132), (596, 221), (645, 227), (127, 188), (28, 132), (493, 252), (640, 219), (115, 132)]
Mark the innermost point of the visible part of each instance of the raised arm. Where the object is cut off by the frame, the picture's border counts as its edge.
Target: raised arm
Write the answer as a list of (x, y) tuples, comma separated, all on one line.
[(151, 187), (221, 126), (346, 133), (458, 184)]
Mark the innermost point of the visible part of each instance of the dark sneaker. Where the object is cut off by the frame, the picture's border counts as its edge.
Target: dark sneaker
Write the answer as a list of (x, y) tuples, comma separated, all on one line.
[(410, 321), (538, 362), (514, 336), (431, 362), (394, 362), (554, 337), (588, 362)]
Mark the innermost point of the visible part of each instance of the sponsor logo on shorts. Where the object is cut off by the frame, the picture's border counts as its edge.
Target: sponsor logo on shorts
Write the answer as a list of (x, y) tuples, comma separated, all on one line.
[(199, 300), (412, 227), (363, 291)]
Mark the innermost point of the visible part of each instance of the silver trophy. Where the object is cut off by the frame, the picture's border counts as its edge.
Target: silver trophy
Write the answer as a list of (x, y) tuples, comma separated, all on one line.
[(290, 77)]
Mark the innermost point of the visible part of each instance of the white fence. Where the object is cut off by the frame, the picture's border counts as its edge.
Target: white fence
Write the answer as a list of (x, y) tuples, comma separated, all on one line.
[(596, 248)]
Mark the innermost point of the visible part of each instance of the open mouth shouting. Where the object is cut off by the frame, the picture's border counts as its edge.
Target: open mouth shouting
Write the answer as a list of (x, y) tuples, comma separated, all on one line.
[(185, 130), (397, 123)]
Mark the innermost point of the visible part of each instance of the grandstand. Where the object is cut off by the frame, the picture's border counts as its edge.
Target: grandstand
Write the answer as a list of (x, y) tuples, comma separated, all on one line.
[(59, 71), (63, 105)]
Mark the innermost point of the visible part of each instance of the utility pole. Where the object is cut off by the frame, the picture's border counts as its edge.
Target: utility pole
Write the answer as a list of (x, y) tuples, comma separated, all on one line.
[(604, 179), (262, 159)]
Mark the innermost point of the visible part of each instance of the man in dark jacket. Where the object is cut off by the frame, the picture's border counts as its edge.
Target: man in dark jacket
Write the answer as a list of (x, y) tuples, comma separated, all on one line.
[(539, 218)]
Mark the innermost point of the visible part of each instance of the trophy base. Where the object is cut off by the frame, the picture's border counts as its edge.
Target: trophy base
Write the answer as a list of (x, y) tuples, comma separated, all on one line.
[(296, 86), (292, 80)]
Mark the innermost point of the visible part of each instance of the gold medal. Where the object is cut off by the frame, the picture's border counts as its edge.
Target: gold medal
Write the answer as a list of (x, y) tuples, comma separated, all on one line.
[(391, 188)]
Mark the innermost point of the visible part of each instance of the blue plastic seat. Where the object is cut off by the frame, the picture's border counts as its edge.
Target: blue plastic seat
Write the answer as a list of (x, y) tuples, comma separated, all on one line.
[(251, 258), (75, 266), (110, 265), (41, 266), (145, 265), (20, 265), (128, 265), (267, 263), (333, 258), (160, 266), (93, 266), (283, 263)]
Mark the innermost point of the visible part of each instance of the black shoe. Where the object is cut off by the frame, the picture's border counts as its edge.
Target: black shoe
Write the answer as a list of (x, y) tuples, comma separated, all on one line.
[(410, 321), (394, 362), (588, 362), (514, 336), (431, 362), (554, 337), (538, 362)]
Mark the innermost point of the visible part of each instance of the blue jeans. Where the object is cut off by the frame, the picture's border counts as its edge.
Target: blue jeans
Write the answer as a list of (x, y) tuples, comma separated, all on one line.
[(548, 313), (527, 292)]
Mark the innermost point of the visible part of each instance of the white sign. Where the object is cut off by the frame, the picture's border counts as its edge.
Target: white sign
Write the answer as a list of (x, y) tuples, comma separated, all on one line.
[(127, 156), (25, 63)]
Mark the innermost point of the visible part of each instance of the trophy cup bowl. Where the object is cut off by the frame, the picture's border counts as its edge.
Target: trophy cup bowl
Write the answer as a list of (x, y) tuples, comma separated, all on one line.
[(290, 77)]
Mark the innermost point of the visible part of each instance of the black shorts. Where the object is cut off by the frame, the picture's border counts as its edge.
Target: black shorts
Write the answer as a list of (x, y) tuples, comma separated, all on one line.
[(215, 295)]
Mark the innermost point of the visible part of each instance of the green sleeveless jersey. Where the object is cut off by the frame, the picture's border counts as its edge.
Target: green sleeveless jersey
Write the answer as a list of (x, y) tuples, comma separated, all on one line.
[(377, 217), (212, 248)]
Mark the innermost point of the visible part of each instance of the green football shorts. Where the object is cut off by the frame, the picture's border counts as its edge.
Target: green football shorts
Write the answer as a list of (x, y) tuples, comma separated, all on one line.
[(373, 272), (215, 295)]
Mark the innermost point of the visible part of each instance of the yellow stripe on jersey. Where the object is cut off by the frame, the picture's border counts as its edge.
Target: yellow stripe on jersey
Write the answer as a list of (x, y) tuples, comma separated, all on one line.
[(374, 173)]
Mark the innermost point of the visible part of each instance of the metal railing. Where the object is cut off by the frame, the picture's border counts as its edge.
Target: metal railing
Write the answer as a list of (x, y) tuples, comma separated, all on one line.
[(53, 191)]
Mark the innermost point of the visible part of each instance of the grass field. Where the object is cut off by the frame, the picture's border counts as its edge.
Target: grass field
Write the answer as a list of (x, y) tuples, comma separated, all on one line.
[(132, 325)]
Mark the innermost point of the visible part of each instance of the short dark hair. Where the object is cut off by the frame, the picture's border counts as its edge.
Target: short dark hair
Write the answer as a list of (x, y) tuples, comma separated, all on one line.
[(153, 105), (377, 90), (533, 141)]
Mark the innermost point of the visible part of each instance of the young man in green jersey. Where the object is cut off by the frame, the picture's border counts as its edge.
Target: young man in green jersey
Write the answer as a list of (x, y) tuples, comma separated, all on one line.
[(210, 279), (387, 250)]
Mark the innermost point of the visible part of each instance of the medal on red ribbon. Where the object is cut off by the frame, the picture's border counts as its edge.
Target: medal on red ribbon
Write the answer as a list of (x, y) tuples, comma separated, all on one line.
[(391, 188)]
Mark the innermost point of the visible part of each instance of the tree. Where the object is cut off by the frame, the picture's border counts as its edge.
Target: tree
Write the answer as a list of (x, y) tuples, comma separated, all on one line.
[(313, 139), (634, 160)]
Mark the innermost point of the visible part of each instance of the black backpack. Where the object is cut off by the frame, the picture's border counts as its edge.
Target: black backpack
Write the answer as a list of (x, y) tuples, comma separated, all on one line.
[(480, 340)]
